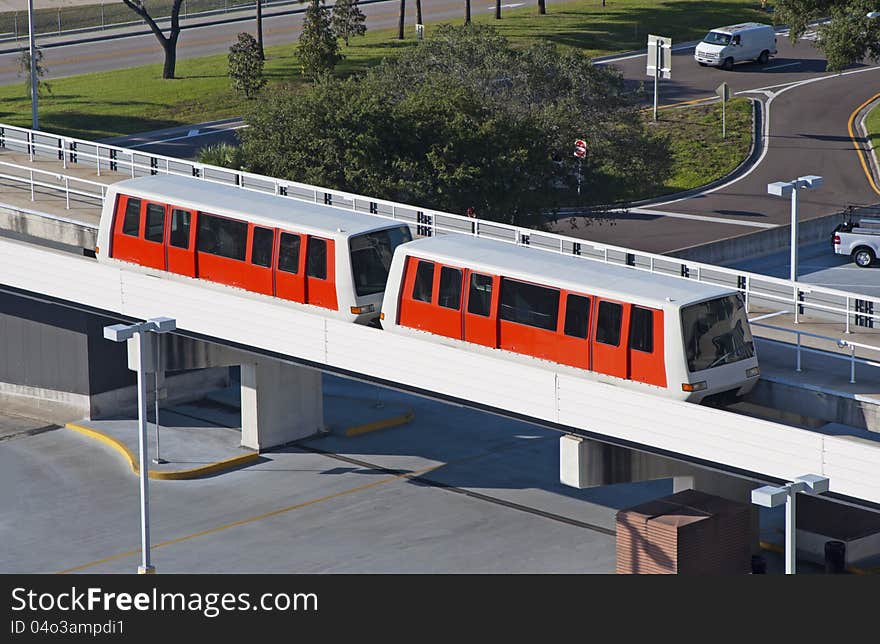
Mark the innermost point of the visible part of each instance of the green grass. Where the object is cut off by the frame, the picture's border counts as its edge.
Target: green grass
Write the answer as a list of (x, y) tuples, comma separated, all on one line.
[(872, 125), (699, 153)]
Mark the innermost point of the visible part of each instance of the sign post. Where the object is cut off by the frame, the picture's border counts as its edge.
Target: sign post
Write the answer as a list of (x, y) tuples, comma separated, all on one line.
[(659, 62), (580, 151), (723, 90)]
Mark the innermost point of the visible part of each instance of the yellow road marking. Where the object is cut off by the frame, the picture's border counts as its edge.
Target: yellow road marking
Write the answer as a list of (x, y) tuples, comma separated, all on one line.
[(859, 151), (259, 517), (166, 475), (403, 419)]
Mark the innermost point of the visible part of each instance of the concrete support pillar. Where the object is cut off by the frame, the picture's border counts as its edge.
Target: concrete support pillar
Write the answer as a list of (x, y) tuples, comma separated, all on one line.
[(280, 403)]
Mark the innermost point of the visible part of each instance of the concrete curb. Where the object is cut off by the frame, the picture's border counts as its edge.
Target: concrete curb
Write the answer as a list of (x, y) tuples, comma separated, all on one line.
[(858, 117), (165, 475), (394, 421)]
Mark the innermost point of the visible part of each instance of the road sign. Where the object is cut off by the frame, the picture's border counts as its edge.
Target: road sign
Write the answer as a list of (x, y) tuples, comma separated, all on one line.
[(580, 149), (659, 51), (723, 90), (420, 32)]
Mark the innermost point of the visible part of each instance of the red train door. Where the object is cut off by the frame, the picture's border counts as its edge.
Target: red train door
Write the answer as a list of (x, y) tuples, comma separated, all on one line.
[(417, 294), (446, 317), (127, 229), (290, 268), (320, 273), (180, 255), (574, 342), (610, 338), (258, 266), (152, 248), (481, 309), (646, 354)]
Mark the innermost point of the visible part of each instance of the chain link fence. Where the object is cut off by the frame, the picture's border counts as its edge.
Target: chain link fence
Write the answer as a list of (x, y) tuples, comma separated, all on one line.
[(109, 14)]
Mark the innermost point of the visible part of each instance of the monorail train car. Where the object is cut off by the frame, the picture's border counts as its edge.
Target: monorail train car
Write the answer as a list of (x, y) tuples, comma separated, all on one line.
[(616, 324), (293, 250)]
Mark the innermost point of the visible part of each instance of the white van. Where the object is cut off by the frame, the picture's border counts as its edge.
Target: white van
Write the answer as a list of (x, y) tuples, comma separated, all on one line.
[(725, 46)]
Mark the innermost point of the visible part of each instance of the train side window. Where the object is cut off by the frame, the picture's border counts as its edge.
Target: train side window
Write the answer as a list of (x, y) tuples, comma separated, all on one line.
[(424, 282), (608, 323), (132, 222), (641, 330), (449, 296), (155, 229), (261, 253), (316, 258), (577, 316), (480, 296), (288, 253), (180, 222), (529, 304), (221, 236)]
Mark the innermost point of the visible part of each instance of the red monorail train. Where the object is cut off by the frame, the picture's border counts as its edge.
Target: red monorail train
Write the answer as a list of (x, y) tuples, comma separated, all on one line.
[(616, 324), (312, 254)]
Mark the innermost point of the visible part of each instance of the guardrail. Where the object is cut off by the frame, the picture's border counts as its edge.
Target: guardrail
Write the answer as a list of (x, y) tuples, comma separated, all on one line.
[(798, 347), (850, 309)]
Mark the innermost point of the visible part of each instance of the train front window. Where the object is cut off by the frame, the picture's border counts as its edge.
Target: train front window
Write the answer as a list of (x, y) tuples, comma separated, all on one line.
[(716, 333), (371, 258)]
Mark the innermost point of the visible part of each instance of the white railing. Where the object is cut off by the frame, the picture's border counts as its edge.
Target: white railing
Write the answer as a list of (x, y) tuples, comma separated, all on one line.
[(760, 290), (36, 178)]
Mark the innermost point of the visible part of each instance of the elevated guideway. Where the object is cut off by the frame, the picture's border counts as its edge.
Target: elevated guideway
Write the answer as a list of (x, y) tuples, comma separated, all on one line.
[(53, 185)]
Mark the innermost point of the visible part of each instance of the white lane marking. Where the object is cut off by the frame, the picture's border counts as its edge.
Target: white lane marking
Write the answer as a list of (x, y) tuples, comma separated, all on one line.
[(188, 135), (508, 6), (781, 66), (719, 220)]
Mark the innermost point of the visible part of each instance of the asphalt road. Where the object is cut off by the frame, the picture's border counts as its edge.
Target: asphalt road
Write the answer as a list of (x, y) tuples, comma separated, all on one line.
[(806, 114)]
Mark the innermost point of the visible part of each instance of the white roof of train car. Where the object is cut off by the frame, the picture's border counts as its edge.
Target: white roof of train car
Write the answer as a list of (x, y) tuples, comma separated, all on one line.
[(260, 208), (564, 271)]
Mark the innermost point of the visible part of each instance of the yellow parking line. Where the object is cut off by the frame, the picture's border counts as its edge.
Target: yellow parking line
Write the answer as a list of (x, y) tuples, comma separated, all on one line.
[(403, 419), (253, 519), (859, 151)]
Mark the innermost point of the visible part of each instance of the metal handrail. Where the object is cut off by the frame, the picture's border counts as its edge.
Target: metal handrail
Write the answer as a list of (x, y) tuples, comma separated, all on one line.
[(800, 296), (840, 342)]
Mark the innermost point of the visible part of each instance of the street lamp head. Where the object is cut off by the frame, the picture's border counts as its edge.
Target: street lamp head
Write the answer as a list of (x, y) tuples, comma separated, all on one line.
[(780, 188), (162, 324), (810, 181), (770, 496), (816, 484), (119, 332)]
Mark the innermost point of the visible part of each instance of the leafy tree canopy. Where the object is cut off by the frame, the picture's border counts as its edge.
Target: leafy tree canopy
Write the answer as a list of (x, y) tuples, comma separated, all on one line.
[(849, 36), (463, 120)]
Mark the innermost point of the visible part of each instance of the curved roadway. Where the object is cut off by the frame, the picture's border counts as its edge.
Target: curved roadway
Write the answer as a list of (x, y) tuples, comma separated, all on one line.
[(807, 112)]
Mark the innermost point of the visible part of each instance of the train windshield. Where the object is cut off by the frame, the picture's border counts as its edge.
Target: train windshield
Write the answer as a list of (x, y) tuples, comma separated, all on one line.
[(716, 333), (371, 255)]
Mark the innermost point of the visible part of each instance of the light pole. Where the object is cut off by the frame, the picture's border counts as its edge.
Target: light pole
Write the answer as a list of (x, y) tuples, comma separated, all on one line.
[(770, 496), (136, 333), (33, 55), (784, 189)]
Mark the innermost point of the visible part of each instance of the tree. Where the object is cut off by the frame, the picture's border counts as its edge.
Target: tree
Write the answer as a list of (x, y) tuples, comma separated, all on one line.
[(224, 155), (246, 66), (348, 20), (849, 36), (542, 7), (168, 43), (464, 120), (497, 9), (467, 12), (401, 14), (24, 69), (318, 47)]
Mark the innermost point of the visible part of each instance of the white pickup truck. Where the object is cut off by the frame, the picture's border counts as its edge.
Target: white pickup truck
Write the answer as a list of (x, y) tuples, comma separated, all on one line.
[(861, 241)]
